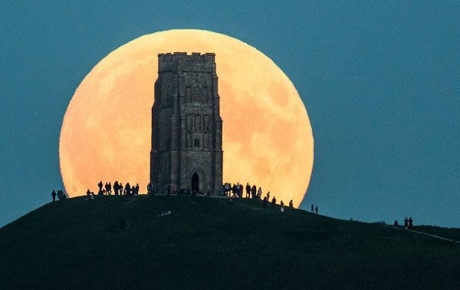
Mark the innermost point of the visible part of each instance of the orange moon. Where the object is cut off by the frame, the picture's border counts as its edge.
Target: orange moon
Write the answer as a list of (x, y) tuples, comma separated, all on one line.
[(267, 136)]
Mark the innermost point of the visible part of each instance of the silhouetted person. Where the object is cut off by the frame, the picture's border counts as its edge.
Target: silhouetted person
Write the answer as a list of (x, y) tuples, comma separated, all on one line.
[(248, 190), (169, 189), (281, 203), (396, 224), (254, 191), (127, 189), (312, 208), (88, 193), (61, 194), (53, 194), (273, 202), (100, 186), (411, 223), (227, 188), (406, 223), (108, 188), (265, 202), (115, 188), (291, 205), (316, 209)]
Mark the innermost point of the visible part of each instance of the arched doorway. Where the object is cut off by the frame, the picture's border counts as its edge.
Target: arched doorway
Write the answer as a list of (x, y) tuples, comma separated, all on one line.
[(195, 183)]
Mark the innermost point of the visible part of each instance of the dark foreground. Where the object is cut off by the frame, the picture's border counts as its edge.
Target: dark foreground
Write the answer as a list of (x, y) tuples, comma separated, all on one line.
[(126, 243)]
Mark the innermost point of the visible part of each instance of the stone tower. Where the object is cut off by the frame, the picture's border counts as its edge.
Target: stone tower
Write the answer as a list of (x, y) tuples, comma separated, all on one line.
[(186, 125)]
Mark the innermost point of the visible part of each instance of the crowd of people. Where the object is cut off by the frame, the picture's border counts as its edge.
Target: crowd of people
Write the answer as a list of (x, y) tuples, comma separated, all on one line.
[(235, 190), (253, 192), (314, 208), (408, 223), (117, 189), (60, 194)]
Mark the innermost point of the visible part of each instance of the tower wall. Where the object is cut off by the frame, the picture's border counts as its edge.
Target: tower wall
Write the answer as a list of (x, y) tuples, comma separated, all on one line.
[(186, 125)]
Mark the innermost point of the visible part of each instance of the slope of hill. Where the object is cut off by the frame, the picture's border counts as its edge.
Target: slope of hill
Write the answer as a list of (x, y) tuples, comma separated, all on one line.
[(197, 243)]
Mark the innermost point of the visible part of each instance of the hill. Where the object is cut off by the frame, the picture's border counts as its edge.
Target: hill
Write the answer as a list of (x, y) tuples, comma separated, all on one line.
[(126, 243)]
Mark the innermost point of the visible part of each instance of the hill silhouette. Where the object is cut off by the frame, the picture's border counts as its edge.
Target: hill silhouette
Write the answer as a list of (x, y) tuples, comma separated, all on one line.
[(198, 243)]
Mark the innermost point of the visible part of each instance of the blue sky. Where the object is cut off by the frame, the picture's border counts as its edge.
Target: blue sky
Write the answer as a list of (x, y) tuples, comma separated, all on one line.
[(380, 80)]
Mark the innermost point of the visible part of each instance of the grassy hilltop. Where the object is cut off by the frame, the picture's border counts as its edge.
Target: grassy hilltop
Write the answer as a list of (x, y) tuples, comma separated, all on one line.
[(125, 243)]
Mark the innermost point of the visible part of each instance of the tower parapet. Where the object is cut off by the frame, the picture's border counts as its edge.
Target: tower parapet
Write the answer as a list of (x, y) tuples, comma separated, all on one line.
[(181, 61)]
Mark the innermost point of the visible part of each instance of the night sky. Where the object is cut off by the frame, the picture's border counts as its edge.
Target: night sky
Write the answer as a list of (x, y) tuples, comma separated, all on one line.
[(380, 81)]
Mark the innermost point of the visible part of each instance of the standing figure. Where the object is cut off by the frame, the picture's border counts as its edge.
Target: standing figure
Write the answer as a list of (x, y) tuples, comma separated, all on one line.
[(53, 194), (411, 223), (406, 223), (107, 191), (312, 208), (127, 189), (259, 192), (61, 194), (115, 187), (248, 190), (234, 190), (316, 209)]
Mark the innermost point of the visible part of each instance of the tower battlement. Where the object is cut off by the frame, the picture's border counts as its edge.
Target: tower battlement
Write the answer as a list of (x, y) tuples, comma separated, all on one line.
[(181, 61)]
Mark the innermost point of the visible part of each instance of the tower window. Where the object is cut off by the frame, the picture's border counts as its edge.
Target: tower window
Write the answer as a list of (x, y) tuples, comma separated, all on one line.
[(197, 142)]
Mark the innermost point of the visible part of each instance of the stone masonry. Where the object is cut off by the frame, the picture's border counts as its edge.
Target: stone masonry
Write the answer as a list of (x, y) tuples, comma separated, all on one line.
[(186, 150)]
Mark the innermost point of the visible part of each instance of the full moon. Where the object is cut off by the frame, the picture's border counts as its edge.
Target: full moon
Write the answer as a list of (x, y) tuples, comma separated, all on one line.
[(267, 136)]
